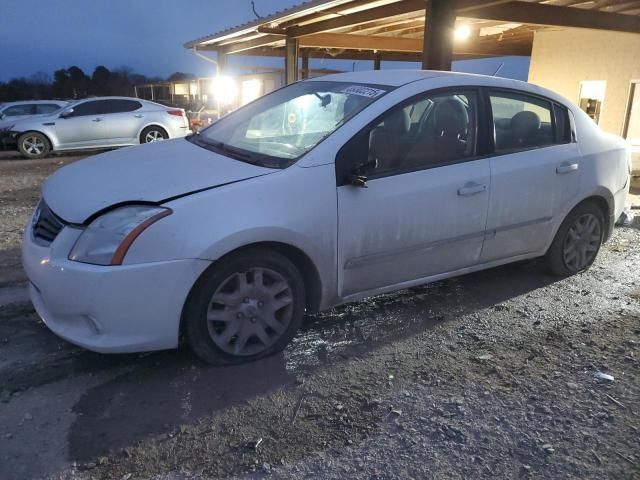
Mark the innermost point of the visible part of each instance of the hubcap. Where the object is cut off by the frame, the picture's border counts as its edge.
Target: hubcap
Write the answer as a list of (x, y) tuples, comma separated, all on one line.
[(153, 136), (33, 145), (582, 242), (250, 311)]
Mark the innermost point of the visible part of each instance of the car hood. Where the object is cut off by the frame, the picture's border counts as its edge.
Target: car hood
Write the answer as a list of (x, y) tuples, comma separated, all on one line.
[(148, 173)]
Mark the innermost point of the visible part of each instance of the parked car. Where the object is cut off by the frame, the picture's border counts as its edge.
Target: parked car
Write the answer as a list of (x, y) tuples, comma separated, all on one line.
[(11, 112), (101, 122), (323, 192)]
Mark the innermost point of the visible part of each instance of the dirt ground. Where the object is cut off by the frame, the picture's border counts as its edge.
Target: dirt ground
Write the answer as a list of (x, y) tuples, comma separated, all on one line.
[(489, 375)]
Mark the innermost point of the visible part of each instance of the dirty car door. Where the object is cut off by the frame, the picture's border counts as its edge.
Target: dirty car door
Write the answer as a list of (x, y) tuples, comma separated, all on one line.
[(425, 206)]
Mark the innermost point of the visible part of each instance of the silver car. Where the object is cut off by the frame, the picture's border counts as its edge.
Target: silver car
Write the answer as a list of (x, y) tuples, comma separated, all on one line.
[(102, 122), (13, 111)]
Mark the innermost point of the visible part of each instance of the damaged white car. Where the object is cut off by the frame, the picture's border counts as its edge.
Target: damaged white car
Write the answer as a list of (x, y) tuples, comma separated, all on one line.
[(323, 192)]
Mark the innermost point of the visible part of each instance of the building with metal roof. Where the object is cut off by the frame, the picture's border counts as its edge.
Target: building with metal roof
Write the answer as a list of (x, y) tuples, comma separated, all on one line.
[(584, 49)]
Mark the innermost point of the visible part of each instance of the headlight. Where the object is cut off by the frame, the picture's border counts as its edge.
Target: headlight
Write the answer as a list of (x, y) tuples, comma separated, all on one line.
[(108, 238)]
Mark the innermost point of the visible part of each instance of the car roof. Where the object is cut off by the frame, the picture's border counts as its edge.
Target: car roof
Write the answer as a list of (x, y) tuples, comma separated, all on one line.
[(392, 78), (398, 78), (22, 102), (141, 100)]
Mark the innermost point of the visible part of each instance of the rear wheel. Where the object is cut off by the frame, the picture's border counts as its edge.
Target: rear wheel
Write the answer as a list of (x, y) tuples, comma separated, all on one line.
[(577, 241), (34, 145), (153, 134), (244, 307)]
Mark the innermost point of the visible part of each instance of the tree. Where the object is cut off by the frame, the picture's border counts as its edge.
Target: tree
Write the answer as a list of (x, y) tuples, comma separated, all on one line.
[(78, 82), (101, 81), (181, 76)]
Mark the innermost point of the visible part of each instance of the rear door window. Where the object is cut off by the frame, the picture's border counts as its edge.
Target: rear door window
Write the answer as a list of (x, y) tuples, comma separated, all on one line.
[(120, 106), (563, 124), (43, 108), (521, 122)]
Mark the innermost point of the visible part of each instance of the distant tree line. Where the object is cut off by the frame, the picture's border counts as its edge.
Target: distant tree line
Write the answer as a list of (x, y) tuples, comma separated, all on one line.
[(72, 82)]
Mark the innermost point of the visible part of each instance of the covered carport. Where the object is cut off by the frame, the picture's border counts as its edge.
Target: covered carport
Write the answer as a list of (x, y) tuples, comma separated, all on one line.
[(432, 32)]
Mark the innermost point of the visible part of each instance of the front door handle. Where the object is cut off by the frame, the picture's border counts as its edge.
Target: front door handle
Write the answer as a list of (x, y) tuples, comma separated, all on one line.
[(138, 115), (471, 188), (96, 120), (566, 167)]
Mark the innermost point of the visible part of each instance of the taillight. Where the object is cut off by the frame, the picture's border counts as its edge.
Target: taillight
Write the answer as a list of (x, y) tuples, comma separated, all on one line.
[(176, 113)]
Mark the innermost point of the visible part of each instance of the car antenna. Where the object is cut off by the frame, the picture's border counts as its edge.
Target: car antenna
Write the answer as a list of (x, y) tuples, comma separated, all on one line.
[(499, 68)]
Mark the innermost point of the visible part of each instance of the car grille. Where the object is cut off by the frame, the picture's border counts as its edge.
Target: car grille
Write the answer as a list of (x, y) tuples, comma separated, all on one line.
[(46, 225)]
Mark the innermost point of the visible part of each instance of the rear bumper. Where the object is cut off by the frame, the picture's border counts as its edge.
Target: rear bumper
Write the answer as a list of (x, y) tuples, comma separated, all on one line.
[(119, 309)]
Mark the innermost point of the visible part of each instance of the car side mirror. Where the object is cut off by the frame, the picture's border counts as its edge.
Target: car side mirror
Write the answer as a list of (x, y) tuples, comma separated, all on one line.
[(358, 176), (66, 113)]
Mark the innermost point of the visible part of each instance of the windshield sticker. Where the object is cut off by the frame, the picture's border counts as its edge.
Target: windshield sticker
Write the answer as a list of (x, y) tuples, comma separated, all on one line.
[(363, 91)]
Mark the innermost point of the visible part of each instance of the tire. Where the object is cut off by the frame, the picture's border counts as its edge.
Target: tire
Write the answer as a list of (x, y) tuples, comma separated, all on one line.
[(34, 145), (584, 229), (228, 320), (153, 134)]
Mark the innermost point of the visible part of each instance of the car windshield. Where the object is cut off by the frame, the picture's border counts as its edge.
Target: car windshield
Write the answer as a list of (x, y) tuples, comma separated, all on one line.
[(279, 128)]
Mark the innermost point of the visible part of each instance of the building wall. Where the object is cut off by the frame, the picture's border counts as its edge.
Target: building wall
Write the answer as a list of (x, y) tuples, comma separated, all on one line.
[(562, 59)]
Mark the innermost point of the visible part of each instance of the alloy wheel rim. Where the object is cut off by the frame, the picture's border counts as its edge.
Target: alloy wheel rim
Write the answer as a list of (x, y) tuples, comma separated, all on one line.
[(33, 145), (153, 136), (250, 311), (582, 242)]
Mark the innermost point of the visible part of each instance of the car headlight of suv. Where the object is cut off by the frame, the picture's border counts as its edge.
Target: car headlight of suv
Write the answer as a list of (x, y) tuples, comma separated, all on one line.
[(107, 239)]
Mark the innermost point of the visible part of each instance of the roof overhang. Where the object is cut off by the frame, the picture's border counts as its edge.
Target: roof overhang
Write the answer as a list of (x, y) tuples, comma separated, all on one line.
[(394, 29)]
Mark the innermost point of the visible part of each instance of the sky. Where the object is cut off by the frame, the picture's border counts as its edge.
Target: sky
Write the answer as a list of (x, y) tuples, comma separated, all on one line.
[(148, 36)]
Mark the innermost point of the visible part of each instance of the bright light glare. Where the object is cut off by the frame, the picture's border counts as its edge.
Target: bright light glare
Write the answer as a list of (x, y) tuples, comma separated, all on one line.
[(463, 32), (251, 89), (224, 89)]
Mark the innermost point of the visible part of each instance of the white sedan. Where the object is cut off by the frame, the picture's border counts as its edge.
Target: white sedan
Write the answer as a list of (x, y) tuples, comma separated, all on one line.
[(323, 192), (94, 123)]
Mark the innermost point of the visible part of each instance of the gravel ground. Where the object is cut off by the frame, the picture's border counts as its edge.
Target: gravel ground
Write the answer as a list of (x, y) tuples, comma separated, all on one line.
[(490, 375), (20, 182)]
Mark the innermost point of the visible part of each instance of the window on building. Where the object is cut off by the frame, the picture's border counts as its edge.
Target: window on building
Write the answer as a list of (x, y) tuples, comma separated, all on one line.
[(592, 97), (521, 122)]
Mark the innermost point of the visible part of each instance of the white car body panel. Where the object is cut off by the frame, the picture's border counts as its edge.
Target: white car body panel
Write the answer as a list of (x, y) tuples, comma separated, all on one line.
[(163, 170), (403, 230)]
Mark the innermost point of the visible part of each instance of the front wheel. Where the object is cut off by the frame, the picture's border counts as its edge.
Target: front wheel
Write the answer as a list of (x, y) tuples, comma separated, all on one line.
[(34, 145), (246, 306), (577, 241)]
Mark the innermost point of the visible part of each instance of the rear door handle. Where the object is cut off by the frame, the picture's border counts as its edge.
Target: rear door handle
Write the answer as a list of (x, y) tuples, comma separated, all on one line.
[(566, 167), (471, 189), (96, 120)]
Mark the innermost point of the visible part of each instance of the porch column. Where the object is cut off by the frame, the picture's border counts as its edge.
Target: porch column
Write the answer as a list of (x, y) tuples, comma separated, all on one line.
[(439, 24), (291, 50)]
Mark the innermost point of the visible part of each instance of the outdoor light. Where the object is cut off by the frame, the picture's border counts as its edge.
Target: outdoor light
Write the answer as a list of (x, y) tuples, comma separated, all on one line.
[(224, 89), (251, 89), (462, 32)]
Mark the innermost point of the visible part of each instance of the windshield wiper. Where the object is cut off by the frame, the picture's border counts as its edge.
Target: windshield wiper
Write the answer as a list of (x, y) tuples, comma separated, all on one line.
[(234, 152)]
